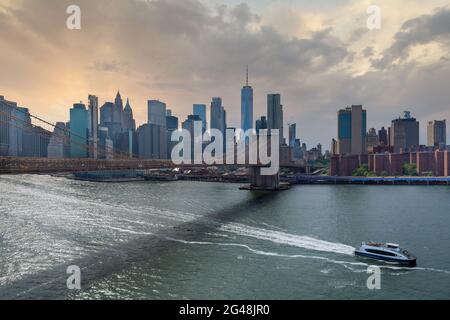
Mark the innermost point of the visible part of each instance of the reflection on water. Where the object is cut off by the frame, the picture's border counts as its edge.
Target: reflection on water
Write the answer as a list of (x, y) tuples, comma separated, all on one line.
[(187, 240)]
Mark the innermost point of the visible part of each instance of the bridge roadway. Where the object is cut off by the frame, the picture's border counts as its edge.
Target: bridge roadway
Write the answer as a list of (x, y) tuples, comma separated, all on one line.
[(13, 165)]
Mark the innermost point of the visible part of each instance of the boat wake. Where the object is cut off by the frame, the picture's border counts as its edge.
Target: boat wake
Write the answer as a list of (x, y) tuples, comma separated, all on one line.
[(280, 237)]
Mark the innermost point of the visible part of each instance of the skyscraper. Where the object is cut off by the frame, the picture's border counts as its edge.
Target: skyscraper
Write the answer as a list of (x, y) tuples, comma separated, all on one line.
[(292, 134), (152, 141), (105, 144), (404, 133), (157, 118), (35, 142), (261, 124), (127, 116), (93, 126), (372, 139), (437, 133), (352, 130), (275, 114), (200, 110), (109, 118), (157, 113), (383, 137), (79, 127), (247, 106), (118, 102), (57, 145), (219, 118), (171, 126), (218, 115), (5, 118), (20, 122)]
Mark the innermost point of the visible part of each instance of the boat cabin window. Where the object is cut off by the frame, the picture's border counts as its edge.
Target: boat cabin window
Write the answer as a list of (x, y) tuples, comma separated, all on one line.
[(384, 253)]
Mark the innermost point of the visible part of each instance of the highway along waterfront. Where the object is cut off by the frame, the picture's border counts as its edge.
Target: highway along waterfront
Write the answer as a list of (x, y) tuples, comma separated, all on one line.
[(205, 240)]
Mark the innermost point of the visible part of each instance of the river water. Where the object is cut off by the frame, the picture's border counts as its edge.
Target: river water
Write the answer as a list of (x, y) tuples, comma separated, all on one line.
[(194, 240)]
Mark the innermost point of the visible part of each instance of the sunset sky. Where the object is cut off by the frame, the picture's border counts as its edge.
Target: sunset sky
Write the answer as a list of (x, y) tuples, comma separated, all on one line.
[(319, 55)]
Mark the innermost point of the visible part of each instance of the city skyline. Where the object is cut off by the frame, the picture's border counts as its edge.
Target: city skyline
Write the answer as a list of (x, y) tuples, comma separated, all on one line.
[(316, 59)]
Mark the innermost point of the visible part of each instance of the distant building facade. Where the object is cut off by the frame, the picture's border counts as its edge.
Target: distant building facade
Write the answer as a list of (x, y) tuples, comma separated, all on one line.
[(79, 127), (404, 133), (200, 111), (383, 138), (261, 124), (275, 114), (152, 141), (437, 133), (352, 129), (372, 139), (247, 106), (58, 144), (93, 126), (157, 113)]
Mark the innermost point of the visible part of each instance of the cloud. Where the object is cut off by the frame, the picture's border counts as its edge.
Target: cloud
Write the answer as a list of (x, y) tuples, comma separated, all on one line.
[(368, 52), (421, 30), (185, 52)]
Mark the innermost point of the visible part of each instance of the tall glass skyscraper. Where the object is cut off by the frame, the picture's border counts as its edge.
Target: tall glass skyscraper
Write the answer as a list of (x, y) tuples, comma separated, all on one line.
[(247, 106), (93, 126), (200, 110), (79, 124), (275, 114), (218, 115), (157, 113), (352, 130)]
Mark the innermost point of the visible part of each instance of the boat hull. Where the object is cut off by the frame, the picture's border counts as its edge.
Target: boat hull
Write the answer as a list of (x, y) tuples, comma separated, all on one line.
[(403, 262)]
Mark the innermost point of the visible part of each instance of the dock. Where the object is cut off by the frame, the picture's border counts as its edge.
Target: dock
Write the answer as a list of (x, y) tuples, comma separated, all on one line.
[(305, 179)]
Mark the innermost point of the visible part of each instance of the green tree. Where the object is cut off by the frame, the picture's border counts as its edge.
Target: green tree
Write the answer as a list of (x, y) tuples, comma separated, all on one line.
[(410, 169), (384, 173), (361, 171)]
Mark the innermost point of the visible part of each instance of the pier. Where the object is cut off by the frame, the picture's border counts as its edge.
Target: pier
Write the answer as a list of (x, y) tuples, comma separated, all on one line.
[(305, 179)]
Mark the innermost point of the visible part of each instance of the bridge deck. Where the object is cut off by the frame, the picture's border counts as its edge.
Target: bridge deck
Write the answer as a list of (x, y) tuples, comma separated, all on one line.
[(13, 165)]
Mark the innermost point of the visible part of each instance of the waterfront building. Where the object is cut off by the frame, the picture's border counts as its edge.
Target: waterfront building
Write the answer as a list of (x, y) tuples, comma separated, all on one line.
[(275, 114), (105, 144), (35, 142), (383, 137), (126, 144), (5, 119), (20, 121), (79, 127), (404, 133), (372, 139), (334, 147), (247, 106), (352, 130), (57, 147), (437, 134), (200, 111), (152, 141)]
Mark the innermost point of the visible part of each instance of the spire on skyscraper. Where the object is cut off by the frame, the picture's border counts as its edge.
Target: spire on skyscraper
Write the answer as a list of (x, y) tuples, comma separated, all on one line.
[(127, 106), (247, 77)]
